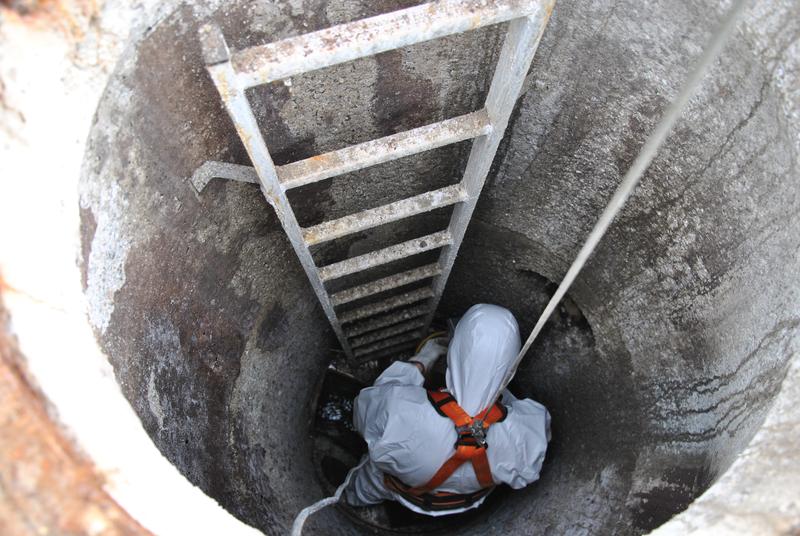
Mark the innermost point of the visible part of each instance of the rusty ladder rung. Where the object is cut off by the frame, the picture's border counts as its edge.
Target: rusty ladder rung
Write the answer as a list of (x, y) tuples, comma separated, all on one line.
[(370, 329), (395, 317), (374, 217), (411, 336), (355, 157), (372, 309), (374, 152), (367, 37), (381, 334), (389, 351), (385, 283), (385, 255)]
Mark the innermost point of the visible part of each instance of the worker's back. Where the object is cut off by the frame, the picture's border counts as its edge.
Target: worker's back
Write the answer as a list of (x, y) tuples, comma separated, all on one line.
[(409, 439)]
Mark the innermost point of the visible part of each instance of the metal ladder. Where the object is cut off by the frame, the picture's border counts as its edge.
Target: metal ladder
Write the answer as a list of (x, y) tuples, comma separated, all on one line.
[(395, 323)]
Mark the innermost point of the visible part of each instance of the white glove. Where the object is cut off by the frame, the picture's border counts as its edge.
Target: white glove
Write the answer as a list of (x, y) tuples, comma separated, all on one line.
[(429, 353)]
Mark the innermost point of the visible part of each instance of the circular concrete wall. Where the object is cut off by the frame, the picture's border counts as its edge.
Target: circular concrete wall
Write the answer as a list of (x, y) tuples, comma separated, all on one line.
[(657, 371)]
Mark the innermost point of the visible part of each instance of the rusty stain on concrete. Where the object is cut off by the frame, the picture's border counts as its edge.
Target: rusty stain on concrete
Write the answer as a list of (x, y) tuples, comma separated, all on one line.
[(72, 17)]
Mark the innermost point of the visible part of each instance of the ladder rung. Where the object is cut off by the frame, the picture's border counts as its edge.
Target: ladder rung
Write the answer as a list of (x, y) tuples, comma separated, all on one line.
[(374, 217), (384, 149), (385, 305), (395, 317), (381, 334), (385, 255), (394, 351), (411, 336), (367, 37), (385, 283)]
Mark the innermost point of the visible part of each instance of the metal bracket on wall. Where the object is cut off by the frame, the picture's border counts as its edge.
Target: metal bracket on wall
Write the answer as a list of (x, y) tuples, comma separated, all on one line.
[(396, 322)]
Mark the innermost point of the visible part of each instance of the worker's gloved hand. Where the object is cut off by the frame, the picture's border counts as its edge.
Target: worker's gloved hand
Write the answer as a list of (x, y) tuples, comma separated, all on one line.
[(430, 352)]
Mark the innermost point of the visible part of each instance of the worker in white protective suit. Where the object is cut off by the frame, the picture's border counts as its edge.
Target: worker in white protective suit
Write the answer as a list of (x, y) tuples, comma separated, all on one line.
[(442, 452)]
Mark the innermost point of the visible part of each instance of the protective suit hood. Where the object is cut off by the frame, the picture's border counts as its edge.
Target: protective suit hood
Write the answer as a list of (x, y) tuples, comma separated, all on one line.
[(483, 349)]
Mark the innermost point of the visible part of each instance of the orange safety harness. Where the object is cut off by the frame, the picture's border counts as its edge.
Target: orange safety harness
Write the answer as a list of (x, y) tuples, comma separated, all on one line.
[(470, 446)]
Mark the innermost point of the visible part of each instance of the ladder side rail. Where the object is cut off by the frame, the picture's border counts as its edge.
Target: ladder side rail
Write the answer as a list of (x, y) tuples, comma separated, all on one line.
[(367, 37), (217, 57), (519, 47)]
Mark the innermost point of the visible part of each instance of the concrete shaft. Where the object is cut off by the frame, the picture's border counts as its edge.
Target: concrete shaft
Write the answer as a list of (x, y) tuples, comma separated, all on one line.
[(658, 369)]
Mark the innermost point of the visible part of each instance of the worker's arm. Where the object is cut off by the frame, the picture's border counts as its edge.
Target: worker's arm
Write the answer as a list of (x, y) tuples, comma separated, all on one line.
[(413, 371), (428, 355), (372, 405), (519, 443), (367, 486)]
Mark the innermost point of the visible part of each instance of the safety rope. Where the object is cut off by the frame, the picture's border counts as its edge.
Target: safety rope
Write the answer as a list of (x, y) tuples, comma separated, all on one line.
[(300, 520), (633, 176), (621, 195)]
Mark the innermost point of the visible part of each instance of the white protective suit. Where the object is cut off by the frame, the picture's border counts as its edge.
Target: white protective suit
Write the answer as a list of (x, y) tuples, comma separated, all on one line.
[(409, 439)]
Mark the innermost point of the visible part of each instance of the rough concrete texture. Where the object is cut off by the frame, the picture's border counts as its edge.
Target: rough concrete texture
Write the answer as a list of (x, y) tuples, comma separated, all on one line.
[(758, 494), (691, 298)]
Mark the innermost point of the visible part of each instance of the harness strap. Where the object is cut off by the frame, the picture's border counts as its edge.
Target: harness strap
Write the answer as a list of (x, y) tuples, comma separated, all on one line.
[(480, 463), (448, 468), (471, 444), (435, 501)]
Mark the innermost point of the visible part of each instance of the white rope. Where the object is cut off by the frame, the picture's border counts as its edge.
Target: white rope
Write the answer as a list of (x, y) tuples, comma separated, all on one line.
[(633, 175), (300, 520)]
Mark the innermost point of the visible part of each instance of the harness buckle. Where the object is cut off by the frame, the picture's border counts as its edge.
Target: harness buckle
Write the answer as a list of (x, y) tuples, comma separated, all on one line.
[(475, 431)]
